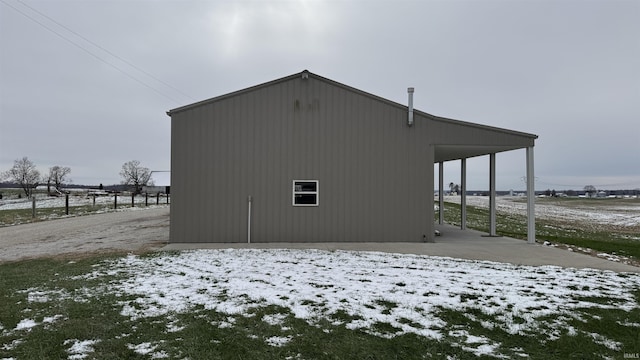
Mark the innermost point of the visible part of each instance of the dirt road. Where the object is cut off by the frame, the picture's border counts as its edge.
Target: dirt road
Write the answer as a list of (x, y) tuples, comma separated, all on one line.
[(126, 231)]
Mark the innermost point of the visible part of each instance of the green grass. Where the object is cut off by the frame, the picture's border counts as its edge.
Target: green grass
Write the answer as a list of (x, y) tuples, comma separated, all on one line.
[(199, 334), (202, 333), (609, 240), (206, 334)]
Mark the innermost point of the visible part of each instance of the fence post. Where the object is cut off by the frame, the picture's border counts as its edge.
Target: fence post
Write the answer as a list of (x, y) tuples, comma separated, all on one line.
[(66, 204), (115, 200), (167, 199), (94, 199), (133, 195), (158, 198), (146, 199), (33, 206)]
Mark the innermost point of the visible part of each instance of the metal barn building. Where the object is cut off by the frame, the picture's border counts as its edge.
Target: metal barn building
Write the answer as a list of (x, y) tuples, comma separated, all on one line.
[(307, 159)]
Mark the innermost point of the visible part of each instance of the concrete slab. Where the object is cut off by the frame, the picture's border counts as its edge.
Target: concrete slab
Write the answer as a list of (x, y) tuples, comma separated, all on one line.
[(453, 242)]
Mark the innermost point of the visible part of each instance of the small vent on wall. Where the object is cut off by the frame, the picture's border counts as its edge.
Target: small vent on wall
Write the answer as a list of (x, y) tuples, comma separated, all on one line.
[(299, 106)]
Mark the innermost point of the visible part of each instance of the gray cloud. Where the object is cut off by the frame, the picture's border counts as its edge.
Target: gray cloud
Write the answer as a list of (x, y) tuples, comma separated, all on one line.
[(564, 70)]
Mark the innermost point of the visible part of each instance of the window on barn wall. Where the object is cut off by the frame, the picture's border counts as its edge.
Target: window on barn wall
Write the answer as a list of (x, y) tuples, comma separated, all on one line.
[(305, 193)]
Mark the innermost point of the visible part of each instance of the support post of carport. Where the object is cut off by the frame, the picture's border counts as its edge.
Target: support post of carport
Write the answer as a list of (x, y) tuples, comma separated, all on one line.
[(492, 194), (463, 194), (531, 212), (441, 193)]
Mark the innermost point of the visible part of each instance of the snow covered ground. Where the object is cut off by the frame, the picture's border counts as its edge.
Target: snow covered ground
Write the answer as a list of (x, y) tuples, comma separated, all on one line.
[(75, 199), (599, 212), (407, 292)]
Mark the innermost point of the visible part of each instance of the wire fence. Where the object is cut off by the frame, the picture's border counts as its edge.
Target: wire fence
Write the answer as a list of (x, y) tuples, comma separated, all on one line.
[(86, 201)]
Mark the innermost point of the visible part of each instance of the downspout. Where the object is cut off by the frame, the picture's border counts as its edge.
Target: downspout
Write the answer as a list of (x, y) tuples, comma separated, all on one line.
[(249, 201), (410, 118)]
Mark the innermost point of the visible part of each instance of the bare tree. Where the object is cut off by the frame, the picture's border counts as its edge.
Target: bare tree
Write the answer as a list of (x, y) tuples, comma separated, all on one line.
[(590, 190), (57, 176), (25, 174), (135, 174)]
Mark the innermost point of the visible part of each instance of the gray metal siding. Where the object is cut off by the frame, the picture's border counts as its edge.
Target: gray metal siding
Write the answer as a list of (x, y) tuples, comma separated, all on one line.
[(457, 133), (374, 172)]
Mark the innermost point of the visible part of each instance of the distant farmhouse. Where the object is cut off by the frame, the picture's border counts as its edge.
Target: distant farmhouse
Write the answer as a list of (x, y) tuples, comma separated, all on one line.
[(307, 159)]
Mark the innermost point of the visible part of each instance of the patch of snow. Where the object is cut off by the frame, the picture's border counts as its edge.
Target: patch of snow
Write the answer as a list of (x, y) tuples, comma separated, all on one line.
[(278, 341), (374, 288), (610, 344), (172, 327), (160, 355), (478, 345), (520, 352), (25, 324), (317, 284), (42, 296), (298, 356), (627, 323), (52, 319), (484, 349), (143, 348), (625, 216), (227, 324), (80, 349), (609, 257), (12, 345), (274, 319)]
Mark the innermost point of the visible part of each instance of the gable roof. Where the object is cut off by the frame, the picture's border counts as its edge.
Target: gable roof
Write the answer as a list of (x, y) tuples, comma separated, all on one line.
[(306, 73)]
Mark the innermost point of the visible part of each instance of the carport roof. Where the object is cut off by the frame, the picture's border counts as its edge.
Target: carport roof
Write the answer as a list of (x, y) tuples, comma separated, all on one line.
[(456, 152)]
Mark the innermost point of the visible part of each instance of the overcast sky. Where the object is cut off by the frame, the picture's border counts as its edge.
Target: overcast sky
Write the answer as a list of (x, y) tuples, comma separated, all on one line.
[(86, 84)]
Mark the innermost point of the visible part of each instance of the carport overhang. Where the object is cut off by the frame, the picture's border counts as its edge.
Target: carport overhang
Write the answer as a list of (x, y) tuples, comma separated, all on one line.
[(450, 152)]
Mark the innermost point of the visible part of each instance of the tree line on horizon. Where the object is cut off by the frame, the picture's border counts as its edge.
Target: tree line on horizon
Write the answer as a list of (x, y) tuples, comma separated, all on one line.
[(25, 174), (588, 190)]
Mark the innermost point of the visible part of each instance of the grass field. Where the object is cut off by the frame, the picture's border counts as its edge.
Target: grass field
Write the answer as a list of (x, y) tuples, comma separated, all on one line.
[(601, 237), (305, 304), (261, 304)]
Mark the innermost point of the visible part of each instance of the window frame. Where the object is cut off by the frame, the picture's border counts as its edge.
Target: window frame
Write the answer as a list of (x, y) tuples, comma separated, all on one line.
[(295, 192)]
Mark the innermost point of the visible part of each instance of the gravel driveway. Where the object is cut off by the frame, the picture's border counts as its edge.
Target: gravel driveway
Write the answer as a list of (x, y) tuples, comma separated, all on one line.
[(125, 231)]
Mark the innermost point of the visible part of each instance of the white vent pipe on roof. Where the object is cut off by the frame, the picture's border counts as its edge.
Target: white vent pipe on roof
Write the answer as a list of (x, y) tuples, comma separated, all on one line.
[(410, 119)]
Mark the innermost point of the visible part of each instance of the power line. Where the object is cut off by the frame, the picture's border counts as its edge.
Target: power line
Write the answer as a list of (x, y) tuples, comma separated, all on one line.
[(132, 77), (107, 51)]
